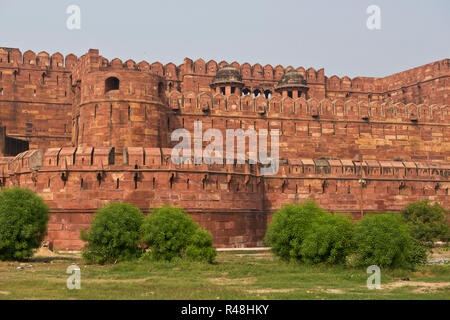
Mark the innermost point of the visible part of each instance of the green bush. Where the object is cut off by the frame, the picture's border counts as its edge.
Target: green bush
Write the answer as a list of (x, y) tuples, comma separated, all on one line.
[(170, 234), (331, 240), (114, 234), (384, 240), (308, 233), (23, 223), (200, 247), (428, 223)]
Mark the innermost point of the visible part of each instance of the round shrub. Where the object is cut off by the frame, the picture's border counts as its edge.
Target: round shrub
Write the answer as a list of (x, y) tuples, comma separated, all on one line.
[(384, 240), (428, 223), (330, 240), (114, 234), (200, 247), (23, 223), (170, 233), (308, 233)]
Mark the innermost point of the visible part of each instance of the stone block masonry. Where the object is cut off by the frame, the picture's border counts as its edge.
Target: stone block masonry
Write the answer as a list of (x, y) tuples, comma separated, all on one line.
[(85, 131)]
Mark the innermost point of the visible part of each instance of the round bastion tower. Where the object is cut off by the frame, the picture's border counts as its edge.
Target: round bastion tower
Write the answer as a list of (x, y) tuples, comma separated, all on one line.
[(118, 106)]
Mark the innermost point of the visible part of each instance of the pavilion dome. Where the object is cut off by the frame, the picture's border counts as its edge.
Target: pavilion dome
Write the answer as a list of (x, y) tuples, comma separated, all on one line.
[(292, 78), (227, 74)]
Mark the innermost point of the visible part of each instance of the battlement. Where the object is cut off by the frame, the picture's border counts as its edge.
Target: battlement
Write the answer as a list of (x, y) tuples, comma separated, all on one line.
[(428, 72), (407, 86), (154, 159), (393, 82), (56, 61), (42, 60), (300, 108), (172, 72), (103, 159)]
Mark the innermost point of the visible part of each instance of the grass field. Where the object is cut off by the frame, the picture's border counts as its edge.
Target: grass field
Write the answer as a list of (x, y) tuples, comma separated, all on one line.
[(236, 275)]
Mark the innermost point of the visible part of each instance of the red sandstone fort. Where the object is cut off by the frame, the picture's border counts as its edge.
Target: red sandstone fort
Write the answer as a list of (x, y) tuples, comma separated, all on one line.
[(85, 131)]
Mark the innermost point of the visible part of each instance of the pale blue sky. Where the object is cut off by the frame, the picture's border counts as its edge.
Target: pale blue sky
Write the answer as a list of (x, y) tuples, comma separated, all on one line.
[(330, 34)]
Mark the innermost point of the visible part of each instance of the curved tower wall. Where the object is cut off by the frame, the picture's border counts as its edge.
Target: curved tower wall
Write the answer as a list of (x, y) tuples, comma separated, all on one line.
[(119, 108), (129, 116)]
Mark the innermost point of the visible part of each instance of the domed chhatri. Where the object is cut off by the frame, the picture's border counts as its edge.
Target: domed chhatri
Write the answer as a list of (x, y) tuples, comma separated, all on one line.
[(292, 79), (227, 80), (227, 75), (292, 85)]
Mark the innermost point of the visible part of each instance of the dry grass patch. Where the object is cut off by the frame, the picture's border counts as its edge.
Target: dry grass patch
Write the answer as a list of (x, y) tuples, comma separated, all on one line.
[(422, 286), (332, 291), (423, 274), (268, 290), (230, 282)]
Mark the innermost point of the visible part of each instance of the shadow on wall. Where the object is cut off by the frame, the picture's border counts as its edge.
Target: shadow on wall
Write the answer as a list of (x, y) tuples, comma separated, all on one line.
[(10, 146)]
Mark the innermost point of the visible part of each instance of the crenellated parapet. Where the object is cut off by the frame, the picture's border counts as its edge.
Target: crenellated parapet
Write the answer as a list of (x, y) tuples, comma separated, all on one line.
[(36, 77), (196, 76), (77, 173), (43, 60), (429, 72), (208, 104), (36, 96), (425, 84), (401, 87), (322, 128), (138, 159)]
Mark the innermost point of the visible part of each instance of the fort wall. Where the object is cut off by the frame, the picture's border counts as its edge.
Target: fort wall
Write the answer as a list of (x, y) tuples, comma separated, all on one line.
[(36, 96), (99, 131), (233, 202), (326, 128), (38, 91)]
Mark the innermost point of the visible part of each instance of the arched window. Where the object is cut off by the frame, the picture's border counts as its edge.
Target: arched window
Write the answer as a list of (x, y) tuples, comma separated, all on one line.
[(112, 83), (246, 92)]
